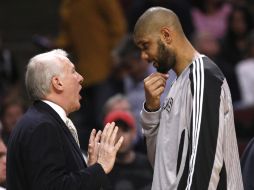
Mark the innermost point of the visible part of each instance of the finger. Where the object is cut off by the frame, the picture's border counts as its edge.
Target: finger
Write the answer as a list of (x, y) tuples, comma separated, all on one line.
[(90, 149), (119, 143), (150, 79), (156, 75), (151, 76), (104, 132), (155, 83), (109, 132), (158, 91), (155, 80), (92, 136), (97, 141), (153, 91), (97, 137), (165, 76), (160, 82), (113, 136)]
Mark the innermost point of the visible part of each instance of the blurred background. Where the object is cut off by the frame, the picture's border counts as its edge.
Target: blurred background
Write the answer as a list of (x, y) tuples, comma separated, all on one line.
[(97, 35)]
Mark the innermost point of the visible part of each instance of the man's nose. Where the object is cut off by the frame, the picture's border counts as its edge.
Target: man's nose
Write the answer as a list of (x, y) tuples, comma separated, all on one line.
[(81, 80), (144, 56)]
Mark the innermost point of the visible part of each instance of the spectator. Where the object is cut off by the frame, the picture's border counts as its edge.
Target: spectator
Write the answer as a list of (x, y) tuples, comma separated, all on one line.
[(206, 44), (132, 170), (117, 102), (244, 71), (11, 113), (90, 28), (120, 102), (233, 46), (211, 16)]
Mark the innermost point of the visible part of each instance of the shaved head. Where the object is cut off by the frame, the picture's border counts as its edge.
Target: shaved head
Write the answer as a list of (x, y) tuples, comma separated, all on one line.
[(154, 19), (159, 35)]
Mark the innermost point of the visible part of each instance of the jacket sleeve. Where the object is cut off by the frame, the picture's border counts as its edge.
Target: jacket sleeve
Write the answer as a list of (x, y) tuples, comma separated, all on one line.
[(150, 123), (46, 161)]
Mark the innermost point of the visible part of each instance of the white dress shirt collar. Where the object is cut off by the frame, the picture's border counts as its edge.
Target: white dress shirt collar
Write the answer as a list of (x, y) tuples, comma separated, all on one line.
[(58, 109)]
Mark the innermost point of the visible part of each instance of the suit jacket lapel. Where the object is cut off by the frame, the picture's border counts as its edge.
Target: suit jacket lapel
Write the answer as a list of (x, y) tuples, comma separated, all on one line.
[(54, 115)]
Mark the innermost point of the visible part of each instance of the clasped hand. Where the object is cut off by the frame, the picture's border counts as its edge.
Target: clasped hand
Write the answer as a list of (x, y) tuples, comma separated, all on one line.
[(103, 147)]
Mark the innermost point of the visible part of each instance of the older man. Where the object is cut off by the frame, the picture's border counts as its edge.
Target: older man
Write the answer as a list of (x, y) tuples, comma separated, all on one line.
[(44, 150)]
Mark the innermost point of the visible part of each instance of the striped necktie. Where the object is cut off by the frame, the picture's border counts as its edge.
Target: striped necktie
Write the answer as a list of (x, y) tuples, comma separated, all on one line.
[(73, 130)]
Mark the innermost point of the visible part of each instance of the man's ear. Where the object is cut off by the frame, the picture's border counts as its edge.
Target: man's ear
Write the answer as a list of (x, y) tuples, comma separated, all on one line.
[(57, 83), (166, 35)]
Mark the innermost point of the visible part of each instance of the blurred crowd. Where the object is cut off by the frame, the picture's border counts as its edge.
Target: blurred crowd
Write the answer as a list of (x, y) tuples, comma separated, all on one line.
[(97, 34)]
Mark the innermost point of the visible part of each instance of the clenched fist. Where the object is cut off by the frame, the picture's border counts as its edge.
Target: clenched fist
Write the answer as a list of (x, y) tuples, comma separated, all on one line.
[(154, 86)]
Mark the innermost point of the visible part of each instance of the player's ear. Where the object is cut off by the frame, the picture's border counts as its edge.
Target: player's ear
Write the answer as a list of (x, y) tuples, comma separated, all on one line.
[(166, 34)]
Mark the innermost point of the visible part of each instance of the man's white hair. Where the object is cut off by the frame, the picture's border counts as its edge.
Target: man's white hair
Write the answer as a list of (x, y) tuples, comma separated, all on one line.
[(40, 70)]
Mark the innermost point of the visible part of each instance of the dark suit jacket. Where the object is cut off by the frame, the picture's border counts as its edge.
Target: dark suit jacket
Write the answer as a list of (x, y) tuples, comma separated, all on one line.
[(42, 154)]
